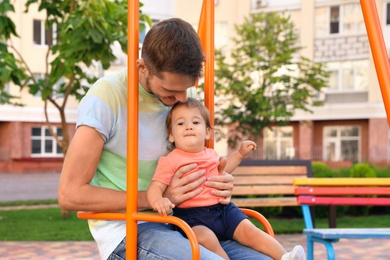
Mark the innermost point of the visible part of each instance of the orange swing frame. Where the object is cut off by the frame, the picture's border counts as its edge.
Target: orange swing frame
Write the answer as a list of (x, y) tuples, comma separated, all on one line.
[(206, 33)]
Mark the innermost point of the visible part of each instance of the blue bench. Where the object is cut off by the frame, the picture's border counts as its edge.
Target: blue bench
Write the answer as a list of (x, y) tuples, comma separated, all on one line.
[(337, 192)]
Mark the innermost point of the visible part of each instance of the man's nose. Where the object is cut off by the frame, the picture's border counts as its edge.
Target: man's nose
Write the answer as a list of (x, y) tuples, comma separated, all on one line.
[(182, 96)]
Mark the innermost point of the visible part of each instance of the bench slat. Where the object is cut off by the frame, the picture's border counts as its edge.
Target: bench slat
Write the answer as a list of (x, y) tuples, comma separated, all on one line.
[(270, 170), (362, 201), (353, 233), (263, 190), (342, 181), (265, 202), (342, 190), (264, 180)]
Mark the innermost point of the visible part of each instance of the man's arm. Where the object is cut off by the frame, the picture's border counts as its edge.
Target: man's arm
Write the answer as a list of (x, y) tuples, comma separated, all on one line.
[(80, 164)]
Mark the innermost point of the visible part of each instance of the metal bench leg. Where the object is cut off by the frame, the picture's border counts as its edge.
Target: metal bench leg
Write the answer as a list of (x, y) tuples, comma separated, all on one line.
[(328, 245), (310, 248)]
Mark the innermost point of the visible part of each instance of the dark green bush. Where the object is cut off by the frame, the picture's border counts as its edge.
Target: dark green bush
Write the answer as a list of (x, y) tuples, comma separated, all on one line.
[(362, 170), (383, 172), (342, 173), (321, 170)]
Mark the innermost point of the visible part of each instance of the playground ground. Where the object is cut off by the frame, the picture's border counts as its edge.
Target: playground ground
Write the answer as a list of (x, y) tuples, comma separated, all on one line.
[(40, 186), (363, 249)]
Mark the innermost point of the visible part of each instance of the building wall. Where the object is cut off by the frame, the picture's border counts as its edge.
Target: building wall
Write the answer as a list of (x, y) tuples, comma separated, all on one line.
[(364, 109)]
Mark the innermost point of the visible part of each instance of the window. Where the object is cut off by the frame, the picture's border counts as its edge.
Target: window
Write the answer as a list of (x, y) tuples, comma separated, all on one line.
[(278, 143), (43, 143), (339, 20), (348, 76), (353, 21), (256, 4), (41, 35), (342, 143), (334, 19)]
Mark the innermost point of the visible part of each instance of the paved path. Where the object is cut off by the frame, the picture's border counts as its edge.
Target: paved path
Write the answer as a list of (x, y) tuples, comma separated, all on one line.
[(42, 186), (364, 249), (28, 186)]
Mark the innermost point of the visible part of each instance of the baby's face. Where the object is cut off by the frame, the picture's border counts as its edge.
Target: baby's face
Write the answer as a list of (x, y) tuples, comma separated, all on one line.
[(189, 130)]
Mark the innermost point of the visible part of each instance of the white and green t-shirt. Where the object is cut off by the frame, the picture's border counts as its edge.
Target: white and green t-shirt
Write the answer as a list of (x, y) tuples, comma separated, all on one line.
[(105, 109)]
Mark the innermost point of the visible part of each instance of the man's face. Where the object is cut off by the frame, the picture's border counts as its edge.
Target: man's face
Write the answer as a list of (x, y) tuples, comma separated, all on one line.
[(170, 88)]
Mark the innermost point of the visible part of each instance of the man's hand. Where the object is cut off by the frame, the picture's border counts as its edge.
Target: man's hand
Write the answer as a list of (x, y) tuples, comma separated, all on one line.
[(222, 184), (187, 187)]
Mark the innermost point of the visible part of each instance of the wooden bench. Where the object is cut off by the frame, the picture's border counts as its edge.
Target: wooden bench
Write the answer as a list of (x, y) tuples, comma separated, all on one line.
[(336, 192), (259, 179)]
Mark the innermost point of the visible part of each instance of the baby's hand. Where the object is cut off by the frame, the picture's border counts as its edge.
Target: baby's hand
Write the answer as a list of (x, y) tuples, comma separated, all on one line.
[(164, 206), (246, 147)]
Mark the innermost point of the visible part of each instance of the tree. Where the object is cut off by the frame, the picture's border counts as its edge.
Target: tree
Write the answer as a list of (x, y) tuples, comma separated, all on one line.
[(264, 80), (86, 31)]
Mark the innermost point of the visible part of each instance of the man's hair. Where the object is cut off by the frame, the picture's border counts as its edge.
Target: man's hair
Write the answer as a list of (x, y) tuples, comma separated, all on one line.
[(173, 46)]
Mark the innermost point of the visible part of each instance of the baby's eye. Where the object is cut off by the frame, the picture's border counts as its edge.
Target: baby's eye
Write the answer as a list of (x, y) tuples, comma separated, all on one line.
[(196, 122), (180, 123)]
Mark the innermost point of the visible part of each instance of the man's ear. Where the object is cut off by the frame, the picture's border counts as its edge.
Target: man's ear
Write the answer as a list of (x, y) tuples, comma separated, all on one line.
[(141, 65)]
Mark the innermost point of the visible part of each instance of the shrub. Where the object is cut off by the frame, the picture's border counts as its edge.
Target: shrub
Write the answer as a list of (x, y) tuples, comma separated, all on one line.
[(362, 170), (321, 170), (383, 172)]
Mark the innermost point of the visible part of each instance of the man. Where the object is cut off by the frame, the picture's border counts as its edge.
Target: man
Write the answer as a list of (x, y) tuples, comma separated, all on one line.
[(94, 171)]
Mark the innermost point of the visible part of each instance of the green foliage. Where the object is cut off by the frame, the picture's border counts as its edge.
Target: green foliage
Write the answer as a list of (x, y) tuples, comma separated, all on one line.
[(264, 80), (321, 170), (342, 173), (85, 32), (382, 172), (362, 170)]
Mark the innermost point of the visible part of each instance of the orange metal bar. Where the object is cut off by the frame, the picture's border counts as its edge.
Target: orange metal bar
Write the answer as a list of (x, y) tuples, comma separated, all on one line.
[(178, 222), (378, 49), (151, 218), (132, 132), (206, 34)]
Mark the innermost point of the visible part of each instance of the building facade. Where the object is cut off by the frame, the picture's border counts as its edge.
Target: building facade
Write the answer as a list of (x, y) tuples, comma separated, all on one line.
[(26, 144), (350, 127)]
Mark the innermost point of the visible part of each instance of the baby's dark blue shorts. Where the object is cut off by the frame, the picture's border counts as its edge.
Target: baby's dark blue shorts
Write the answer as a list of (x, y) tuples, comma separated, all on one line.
[(221, 219)]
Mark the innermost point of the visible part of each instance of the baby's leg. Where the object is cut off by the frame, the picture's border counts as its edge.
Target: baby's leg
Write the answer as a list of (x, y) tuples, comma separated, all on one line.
[(209, 240), (249, 235)]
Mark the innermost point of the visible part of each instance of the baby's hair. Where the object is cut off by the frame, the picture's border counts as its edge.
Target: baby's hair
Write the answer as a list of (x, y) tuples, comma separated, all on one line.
[(190, 103)]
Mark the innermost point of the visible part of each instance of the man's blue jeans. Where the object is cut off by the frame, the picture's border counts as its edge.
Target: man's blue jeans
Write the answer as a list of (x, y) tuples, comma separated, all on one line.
[(159, 241)]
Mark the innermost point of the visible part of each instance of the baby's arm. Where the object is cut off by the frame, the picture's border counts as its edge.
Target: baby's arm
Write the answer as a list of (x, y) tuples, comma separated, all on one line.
[(234, 159), (156, 200)]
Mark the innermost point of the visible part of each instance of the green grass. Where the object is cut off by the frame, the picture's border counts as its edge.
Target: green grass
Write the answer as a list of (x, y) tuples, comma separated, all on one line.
[(42, 225), (48, 225)]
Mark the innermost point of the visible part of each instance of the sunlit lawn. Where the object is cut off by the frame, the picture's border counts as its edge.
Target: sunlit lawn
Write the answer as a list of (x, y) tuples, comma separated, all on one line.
[(48, 225)]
